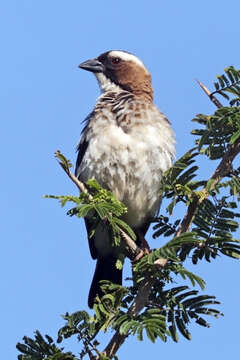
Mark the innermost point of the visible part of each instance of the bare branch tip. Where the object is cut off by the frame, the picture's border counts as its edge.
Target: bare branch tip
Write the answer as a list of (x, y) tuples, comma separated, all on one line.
[(209, 94), (205, 89)]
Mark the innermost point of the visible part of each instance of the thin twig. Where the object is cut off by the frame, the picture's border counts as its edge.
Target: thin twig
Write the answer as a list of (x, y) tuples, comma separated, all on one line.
[(210, 95), (77, 182), (133, 251)]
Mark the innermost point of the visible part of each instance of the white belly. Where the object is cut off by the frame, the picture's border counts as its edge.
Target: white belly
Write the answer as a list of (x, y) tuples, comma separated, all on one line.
[(130, 165)]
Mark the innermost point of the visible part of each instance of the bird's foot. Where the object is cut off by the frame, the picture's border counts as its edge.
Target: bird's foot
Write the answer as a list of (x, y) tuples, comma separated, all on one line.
[(139, 256), (144, 248)]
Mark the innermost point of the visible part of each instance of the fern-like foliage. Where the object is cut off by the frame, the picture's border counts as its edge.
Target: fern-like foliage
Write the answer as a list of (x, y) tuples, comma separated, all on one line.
[(102, 205), (220, 130), (214, 225), (229, 83), (178, 184), (223, 127), (180, 305), (41, 348), (168, 312), (215, 219)]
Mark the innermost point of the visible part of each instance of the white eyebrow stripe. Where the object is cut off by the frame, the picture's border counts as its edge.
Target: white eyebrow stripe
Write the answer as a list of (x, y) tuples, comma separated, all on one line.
[(127, 57)]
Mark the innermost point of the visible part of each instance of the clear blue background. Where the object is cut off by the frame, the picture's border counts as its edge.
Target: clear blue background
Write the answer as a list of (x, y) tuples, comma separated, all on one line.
[(45, 264)]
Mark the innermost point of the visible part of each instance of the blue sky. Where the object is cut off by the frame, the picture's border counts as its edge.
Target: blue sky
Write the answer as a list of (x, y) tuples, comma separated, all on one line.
[(45, 264)]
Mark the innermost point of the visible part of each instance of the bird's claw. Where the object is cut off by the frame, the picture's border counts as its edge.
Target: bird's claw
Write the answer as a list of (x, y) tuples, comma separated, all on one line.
[(138, 257), (144, 250)]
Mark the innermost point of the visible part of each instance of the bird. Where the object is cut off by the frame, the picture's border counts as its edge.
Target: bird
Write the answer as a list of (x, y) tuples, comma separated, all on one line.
[(126, 145)]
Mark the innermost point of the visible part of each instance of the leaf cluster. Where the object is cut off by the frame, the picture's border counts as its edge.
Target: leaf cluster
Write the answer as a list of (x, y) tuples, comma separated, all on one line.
[(167, 313), (178, 184), (220, 130), (41, 348), (102, 206), (180, 305), (229, 83), (214, 223)]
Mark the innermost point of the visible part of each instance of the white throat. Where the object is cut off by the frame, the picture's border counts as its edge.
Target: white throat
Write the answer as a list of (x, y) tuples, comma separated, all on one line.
[(106, 84)]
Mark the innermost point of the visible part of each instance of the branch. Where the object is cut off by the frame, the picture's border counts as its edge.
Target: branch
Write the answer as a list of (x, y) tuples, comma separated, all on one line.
[(138, 304), (223, 169), (210, 95)]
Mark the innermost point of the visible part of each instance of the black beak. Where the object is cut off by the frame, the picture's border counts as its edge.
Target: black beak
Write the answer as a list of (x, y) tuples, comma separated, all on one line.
[(92, 65)]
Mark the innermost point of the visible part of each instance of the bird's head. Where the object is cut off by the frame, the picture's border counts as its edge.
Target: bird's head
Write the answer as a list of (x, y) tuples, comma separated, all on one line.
[(118, 70)]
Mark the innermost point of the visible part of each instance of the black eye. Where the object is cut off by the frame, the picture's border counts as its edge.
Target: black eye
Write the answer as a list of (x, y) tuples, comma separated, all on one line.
[(115, 60)]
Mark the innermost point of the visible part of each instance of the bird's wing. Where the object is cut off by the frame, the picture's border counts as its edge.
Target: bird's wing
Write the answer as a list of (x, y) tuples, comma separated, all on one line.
[(81, 149), (83, 144)]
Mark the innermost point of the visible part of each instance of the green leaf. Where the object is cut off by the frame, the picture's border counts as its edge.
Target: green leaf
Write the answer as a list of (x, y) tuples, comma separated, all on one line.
[(64, 162), (234, 137), (182, 328), (173, 332), (192, 277), (124, 226)]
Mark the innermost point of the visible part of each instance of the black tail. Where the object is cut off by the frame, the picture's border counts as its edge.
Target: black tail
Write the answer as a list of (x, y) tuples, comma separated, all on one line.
[(105, 270)]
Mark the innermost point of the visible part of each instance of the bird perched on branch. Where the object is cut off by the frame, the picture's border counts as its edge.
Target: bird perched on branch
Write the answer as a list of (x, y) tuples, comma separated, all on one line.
[(126, 146)]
